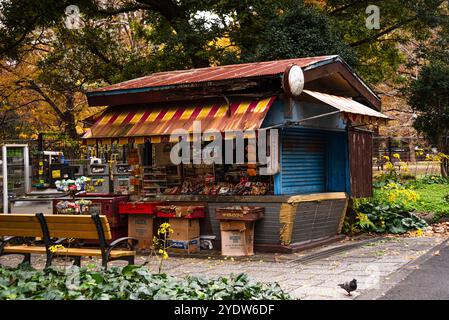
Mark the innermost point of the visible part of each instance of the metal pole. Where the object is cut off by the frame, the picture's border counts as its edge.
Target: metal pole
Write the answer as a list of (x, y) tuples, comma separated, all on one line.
[(26, 160), (5, 180), (292, 123)]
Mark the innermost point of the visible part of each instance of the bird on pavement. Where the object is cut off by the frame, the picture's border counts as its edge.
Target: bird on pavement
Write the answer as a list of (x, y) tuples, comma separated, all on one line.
[(349, 286)]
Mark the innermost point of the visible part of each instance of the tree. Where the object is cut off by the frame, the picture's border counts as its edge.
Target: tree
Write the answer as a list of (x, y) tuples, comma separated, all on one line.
[(299, 31), (429, 98), (379, 51), (124, 39), (56, 70)]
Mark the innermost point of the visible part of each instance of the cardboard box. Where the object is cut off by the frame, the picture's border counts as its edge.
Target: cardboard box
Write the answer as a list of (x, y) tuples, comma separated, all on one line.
[(184, 246), (141, 226), (184, 229), (233, 225), (237, 238)]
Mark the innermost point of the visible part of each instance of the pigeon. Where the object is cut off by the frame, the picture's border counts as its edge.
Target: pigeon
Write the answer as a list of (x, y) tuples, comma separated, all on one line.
[(349, 286)]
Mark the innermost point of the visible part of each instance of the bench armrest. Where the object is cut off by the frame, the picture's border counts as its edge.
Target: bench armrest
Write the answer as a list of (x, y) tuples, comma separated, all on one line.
[(10, 239), (120, 241), (60, 240), (6, 240)]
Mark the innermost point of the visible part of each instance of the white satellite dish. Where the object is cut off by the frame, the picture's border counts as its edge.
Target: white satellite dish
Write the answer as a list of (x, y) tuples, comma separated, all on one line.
[(293, 81)]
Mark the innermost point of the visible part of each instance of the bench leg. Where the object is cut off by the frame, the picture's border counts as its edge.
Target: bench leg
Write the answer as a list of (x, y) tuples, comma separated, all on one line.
[(49, 260), (26, 258), (104, 263), (130, 260), (77, 261)]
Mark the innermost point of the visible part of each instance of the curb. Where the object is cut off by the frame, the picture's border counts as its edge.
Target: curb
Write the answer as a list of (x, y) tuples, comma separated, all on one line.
[(400, 274), (330, 252)]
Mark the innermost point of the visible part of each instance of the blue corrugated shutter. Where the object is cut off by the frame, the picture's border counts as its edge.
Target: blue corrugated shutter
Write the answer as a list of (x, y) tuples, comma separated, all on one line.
[(303, 161)]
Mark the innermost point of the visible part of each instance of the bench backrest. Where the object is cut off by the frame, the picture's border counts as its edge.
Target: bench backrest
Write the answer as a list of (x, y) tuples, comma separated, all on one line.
[(76, 226), (59, 226), (20, 225)]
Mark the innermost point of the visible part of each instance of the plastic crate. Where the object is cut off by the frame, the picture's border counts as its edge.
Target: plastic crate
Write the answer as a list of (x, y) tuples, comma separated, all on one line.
[(138, 207)]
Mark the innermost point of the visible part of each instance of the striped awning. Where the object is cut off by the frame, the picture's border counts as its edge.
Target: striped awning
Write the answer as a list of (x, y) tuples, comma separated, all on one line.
[(156, 123), (350, 109)]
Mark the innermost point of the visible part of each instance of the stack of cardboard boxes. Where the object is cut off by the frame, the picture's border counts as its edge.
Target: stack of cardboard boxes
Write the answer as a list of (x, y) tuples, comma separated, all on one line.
[(237, 238), (237, 229), (185, 236), (140, 222), (184, 220)]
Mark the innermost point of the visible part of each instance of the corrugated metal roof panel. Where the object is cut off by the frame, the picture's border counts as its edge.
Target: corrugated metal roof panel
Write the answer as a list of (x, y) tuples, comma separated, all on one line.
[(346, 105), (236, 71)]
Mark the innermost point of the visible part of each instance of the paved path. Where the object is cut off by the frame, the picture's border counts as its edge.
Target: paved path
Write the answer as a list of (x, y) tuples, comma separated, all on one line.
[(428, 281), (370, 264)]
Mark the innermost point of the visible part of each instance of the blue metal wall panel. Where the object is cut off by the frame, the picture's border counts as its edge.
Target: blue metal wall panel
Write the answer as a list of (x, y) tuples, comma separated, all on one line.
[(278, 176), (337, 160), (303, 161)]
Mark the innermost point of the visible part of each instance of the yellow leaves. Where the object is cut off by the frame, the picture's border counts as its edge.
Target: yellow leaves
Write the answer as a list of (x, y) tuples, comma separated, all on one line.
[(56, 248), (439, 157), (389, 166), (163, 254), (164, 228), (416, 233), (396, 193)]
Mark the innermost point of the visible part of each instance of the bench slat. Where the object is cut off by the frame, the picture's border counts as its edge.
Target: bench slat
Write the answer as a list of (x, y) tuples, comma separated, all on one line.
[(67, 251), (20, 232), (24, 249), (52, 226), (60, 226)]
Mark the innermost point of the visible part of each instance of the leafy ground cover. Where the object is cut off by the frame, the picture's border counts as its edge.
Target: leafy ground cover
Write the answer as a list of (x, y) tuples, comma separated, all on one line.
[(398, 206), (123, 283), (434, 198)]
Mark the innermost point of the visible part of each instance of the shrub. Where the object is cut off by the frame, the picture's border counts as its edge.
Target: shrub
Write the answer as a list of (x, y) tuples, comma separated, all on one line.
[(390, 210), (432, 180), (123, 283), (374, 216)]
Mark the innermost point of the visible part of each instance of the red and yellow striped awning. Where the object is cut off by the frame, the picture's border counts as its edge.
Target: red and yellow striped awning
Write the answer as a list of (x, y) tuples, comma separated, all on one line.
[(138, 124)]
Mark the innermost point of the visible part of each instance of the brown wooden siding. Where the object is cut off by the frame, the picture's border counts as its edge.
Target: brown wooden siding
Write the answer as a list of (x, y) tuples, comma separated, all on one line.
[(361, 163)]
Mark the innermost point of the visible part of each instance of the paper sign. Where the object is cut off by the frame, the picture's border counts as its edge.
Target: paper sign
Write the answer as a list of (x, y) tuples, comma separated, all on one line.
[(55, 174)]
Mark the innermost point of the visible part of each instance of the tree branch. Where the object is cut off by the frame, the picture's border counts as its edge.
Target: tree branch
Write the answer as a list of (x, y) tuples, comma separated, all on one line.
[(383, 32), (351, 4), (124, 9), (33, 86)]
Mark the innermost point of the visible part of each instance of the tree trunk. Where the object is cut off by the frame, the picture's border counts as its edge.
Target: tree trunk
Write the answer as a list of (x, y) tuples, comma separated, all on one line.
[(443, 147), (72, 143)]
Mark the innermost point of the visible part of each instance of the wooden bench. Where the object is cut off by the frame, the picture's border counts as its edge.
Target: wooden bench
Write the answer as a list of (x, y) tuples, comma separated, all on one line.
[(17, 227)]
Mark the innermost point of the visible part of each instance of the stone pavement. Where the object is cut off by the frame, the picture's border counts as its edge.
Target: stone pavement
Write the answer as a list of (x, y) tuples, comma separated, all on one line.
[(370, 264)]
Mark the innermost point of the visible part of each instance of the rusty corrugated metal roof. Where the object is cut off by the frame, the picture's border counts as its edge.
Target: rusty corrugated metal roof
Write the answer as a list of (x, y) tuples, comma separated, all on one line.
[(348, 106), (163, 121), (211, 74)]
